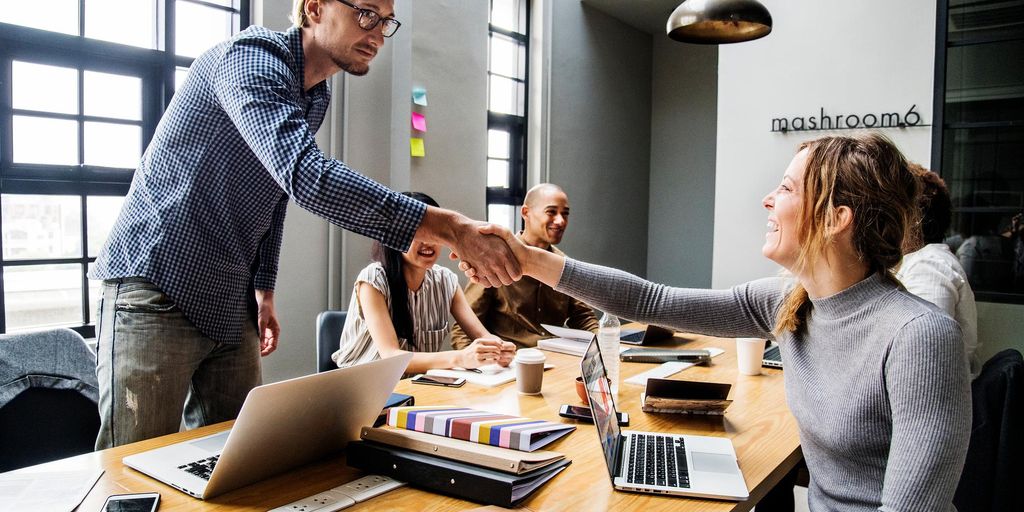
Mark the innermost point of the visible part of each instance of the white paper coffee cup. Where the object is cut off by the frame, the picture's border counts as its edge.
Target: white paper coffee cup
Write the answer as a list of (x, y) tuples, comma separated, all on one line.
[(749, 353), (529, 370)]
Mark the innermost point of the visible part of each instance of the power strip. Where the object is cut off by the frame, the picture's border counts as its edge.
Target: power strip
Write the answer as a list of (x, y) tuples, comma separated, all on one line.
[(343, 496)]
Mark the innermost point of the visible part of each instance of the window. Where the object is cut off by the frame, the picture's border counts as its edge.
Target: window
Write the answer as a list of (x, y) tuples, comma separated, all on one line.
[(978, 139), (506, 116), (82, 87)]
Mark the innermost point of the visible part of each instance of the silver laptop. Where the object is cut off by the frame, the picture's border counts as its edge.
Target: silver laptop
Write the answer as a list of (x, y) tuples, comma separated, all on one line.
[(653, 462), (649, 334), (281, 426), (772, 357)]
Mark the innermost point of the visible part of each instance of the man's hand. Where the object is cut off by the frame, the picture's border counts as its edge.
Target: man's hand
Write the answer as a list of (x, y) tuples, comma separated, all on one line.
[(519, 250), (489, 255), (268, 327)]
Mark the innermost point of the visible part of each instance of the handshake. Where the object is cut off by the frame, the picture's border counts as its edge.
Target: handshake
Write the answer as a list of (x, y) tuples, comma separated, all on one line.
[(490, 255)]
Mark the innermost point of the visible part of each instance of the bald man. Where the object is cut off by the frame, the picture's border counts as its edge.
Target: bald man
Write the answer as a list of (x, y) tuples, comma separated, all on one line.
[(515, 312)]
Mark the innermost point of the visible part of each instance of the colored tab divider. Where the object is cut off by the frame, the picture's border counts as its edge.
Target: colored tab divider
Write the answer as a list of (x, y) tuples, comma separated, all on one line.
[(416, 147)]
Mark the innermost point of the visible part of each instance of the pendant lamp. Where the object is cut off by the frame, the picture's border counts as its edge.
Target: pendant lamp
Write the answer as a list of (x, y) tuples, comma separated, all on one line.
[(719, 21)]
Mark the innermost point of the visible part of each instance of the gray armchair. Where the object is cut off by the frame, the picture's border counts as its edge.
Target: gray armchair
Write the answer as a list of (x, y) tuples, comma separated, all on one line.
[(48, 397)]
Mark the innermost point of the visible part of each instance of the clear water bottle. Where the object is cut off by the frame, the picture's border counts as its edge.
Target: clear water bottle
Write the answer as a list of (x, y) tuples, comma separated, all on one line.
[(608, 342)]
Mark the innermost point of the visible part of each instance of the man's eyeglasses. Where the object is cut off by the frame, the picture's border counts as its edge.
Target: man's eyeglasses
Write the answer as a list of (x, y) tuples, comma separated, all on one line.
[(369, 19)]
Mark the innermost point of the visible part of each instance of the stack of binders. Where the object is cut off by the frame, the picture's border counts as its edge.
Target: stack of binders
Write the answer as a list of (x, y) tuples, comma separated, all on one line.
[(463, 469)]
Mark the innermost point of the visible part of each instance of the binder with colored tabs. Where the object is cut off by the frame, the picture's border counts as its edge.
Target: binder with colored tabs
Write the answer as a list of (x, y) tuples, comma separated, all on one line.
[(482, 427)]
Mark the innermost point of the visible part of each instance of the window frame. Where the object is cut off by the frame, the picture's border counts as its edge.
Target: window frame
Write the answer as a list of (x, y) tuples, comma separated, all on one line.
[(516, 126), (155, 67), (940, 125)]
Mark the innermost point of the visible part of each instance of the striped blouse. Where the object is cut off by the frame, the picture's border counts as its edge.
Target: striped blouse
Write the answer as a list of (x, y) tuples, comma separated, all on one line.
[(430, 307)]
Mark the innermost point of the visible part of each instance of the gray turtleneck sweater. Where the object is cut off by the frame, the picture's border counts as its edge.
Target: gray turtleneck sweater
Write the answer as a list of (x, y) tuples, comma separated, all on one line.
[(877, 379)]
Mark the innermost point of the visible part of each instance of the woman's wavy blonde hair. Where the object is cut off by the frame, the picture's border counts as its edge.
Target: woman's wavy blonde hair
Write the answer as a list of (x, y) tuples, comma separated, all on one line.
[(868, 174)]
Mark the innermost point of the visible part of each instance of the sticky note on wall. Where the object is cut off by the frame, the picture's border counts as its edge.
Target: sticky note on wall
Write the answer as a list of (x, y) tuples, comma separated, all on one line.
[(419, 96), (416, 147), (419, 122)]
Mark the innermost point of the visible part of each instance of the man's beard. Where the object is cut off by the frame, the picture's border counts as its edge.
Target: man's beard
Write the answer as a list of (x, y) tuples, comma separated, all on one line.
[(352, 68)]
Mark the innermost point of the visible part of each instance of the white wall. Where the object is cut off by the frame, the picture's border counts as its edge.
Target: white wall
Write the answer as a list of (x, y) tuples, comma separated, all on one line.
[(599, 133), (683, 136), (850, 58)]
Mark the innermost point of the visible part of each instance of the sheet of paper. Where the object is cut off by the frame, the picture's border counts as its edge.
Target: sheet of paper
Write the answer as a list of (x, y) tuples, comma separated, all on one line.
[(419, 96), (416, 147), (572, 334), (56, 491), (419, 122), (490, 375)]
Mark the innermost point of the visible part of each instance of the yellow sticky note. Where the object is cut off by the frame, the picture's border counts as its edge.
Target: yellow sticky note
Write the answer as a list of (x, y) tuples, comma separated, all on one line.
[(416, 147)]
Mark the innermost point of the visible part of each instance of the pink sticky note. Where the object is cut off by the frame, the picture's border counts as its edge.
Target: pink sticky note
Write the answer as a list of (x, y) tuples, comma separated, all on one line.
[(419, 122)]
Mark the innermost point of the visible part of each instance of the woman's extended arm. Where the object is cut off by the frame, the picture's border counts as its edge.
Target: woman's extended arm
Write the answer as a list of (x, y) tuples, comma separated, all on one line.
[(746, 310)]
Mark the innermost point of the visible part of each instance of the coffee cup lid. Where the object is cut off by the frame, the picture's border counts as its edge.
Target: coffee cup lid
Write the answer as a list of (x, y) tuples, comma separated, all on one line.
[(530, 355)]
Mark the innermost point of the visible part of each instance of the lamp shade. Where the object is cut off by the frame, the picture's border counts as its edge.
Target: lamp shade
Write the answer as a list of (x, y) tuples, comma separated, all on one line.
[(719, 21)]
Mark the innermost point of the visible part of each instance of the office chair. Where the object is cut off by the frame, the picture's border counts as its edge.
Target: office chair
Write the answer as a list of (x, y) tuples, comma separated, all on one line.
[(329, 325), (993, 472), (48, 397)]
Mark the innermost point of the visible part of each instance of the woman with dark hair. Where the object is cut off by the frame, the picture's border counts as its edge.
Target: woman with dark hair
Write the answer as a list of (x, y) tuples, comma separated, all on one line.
[(931, 271), (401, 303), (876, 377)]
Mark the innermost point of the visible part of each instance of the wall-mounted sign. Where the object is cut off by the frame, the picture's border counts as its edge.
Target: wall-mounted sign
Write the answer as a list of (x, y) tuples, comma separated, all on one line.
[(825, 121)]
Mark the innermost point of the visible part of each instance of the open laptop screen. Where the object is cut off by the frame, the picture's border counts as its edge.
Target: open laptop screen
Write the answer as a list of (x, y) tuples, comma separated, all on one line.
[(601, 404)]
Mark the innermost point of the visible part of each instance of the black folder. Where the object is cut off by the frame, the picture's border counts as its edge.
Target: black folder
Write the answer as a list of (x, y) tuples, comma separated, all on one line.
[(458, 479), (395, 400)]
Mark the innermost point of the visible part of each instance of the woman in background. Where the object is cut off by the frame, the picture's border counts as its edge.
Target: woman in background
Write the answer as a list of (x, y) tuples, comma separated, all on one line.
[(876, 378), (401, 303)]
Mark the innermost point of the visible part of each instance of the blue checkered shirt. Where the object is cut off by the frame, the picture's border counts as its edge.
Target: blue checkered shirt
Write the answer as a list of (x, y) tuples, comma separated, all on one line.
[(204, 217)]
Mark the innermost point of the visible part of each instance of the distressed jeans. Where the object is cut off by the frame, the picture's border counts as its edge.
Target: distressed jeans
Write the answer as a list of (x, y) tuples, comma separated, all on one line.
[(153, 364)]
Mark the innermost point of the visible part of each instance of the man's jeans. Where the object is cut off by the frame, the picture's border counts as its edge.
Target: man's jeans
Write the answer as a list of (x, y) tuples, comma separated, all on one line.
[(153, 363)]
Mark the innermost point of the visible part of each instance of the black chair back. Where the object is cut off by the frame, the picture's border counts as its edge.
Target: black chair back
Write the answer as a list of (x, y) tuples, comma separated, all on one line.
[(329, 325), (993, 471)]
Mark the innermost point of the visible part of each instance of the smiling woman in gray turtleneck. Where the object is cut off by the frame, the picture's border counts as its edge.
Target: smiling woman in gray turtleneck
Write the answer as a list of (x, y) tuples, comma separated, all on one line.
[(877, 378)]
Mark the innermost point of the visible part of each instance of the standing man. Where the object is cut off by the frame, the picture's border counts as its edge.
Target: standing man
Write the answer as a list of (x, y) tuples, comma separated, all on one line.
[(190, 266), (515, 312)]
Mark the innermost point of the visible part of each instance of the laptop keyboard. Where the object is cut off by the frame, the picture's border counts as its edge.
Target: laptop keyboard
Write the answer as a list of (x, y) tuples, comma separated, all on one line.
[(773, 357), (658, 460), (201, 468), (635, 337)]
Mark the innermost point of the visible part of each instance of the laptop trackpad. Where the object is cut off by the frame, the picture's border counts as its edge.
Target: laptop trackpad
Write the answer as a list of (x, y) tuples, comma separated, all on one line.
[(213, 443), (713, 462)]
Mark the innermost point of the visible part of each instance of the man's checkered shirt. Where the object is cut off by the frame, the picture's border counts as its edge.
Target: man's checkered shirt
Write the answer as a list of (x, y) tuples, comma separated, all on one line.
[(207, 203)]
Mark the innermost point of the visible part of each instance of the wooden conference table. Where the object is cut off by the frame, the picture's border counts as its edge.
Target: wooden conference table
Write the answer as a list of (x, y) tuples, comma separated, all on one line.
[(758, 422)]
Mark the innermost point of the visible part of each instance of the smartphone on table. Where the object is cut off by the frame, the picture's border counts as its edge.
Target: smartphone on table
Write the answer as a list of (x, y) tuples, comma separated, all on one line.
[(139, 502), (436, 380), (581, 413)]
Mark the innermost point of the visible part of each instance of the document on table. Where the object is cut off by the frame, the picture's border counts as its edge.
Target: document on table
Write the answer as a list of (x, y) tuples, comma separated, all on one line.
[(46, 490), (489, 375)]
